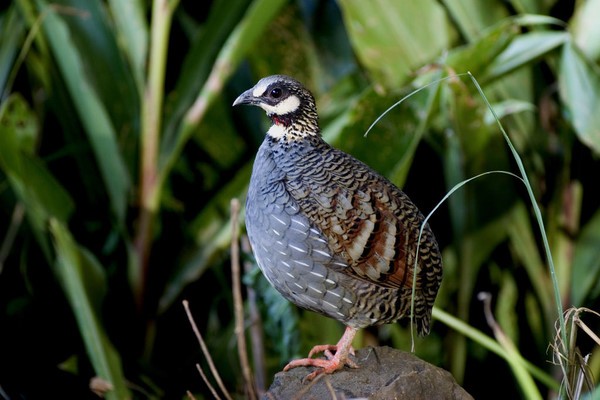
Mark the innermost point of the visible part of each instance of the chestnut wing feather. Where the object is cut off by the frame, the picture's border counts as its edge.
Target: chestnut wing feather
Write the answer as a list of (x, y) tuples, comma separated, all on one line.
[(368, 222)]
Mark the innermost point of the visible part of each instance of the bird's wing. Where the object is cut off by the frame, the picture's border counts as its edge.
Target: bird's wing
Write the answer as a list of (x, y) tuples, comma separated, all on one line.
[(370, 224)]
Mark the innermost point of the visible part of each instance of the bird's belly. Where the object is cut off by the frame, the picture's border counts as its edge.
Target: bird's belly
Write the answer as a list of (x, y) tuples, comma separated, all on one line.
[(295, 259)]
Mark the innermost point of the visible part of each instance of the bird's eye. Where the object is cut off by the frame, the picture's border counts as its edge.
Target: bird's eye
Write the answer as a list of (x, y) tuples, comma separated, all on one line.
[(276, 93)]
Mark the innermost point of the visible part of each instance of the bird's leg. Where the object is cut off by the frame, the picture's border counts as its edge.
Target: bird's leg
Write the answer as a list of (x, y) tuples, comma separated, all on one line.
[(334, 361)]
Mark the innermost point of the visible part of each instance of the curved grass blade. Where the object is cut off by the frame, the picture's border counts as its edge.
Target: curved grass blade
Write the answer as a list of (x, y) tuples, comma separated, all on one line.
[(92, 112), (536, 209), (493, 346), (84, 284)]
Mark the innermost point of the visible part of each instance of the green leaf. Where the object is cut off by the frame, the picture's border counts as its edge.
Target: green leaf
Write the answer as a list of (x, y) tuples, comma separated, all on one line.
[(586, 29), (12, 116), (104, 63), (474, 16), (12, 31), (90, 108), (236, 47), (390, 144), (84, 284), (199, 60), (476, 56), (508, 297), (43, 195), (212, 234), (391, 39), (132, 29), (19, 124), (508, 107), (525, 49), (586, 261), (579, 83)]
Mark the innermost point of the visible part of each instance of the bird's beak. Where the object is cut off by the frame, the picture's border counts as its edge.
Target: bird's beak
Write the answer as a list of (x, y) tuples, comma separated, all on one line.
[(246, 98)]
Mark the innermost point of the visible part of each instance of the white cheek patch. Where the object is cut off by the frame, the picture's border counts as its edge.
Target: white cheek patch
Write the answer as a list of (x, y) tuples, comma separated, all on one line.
[(285, 107), (276, 131)]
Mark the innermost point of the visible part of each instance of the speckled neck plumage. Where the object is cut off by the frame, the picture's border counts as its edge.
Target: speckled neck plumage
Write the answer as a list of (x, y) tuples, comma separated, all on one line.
[(296, 125)]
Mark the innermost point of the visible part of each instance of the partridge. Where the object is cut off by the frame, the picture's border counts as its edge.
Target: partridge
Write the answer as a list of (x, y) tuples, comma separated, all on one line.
[(328, 232)]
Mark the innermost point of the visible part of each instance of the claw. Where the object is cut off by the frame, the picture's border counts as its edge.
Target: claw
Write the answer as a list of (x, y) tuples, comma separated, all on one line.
[(333, 362)]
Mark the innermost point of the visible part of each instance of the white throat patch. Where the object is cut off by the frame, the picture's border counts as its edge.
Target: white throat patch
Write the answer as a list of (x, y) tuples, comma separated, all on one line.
[(276, 131), (285, 107)]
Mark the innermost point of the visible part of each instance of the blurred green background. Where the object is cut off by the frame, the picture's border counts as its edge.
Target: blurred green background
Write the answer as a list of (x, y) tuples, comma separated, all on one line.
[(120, 153)]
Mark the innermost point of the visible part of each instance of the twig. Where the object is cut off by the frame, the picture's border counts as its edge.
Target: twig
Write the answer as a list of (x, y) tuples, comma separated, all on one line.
[(205, 351), (302, 393), (190, 395), (514, 358), (330, 389), (238, 305), (255, 327), (205, 379)]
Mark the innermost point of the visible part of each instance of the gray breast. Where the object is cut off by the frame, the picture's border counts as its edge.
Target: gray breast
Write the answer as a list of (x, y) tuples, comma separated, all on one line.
[(293, 255)]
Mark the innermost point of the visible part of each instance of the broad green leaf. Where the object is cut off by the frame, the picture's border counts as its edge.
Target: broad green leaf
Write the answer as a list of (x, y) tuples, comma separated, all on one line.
[(525, 49), (212, 234), (104, 63), (240, 41), (224, 149), (19, 124), (390, 142), (579, 83), (92, 112), (48, 193), (524, 246), (472, 17), (531, 6), (382, 131), (586, 29), (132, 29), (476, 56), (391, 38), (12, 30), (508, 297), (508, 107), (586, 261), (206, 44), (33, 183), (536, 19), (13, 114), (466, 118), (83, 282)]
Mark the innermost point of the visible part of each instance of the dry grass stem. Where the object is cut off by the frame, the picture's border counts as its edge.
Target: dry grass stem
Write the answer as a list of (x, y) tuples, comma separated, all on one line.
[(206, 353), (207, 382), (255, 327), (307, 387), (576, 375), (238, 305)]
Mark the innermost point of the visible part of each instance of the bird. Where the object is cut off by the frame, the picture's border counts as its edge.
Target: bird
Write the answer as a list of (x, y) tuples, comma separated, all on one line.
[(331, 234)]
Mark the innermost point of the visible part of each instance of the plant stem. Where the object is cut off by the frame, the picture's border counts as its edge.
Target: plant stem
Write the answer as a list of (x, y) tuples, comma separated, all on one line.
[(259, 15), (162, 13)]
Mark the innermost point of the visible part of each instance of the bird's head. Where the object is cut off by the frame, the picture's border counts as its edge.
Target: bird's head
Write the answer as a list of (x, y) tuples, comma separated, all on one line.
[(287, 103)]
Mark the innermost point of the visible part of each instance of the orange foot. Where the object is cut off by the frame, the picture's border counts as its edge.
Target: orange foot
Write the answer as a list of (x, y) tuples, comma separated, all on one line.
[(333, 362)]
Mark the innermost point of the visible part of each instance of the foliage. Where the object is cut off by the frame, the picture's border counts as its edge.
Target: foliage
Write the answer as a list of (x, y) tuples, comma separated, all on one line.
[(119, 154)]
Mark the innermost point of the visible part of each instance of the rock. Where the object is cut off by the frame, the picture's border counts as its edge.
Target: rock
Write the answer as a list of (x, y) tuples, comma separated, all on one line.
[(383, 373)]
